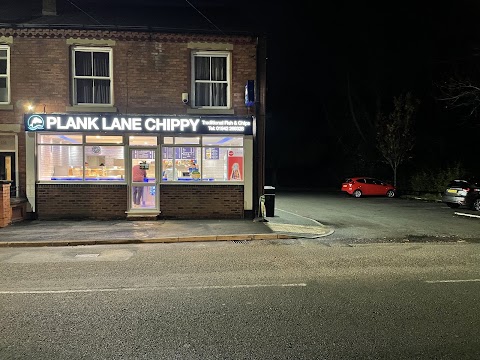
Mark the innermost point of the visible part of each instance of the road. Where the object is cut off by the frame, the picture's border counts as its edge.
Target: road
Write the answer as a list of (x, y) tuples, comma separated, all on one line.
[(283, 299), (373, 219)]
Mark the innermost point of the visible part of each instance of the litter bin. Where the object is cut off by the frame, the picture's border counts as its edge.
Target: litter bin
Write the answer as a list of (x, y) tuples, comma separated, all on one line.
[(269, 192)]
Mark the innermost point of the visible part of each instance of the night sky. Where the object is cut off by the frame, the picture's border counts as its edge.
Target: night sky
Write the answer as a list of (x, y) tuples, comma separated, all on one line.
[(368, 53)]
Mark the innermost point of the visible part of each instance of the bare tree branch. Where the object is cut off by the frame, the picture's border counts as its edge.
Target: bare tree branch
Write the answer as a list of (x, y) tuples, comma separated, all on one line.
[(460, 94)]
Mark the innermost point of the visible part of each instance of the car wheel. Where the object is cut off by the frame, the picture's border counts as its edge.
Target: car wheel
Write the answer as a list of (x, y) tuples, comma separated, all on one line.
[(390, 193), (476, 204), (357, 193), (453, 205)]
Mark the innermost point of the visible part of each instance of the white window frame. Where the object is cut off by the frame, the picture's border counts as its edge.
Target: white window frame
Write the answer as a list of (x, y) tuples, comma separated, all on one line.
[(7, 75), (203, 53), (74, 77)]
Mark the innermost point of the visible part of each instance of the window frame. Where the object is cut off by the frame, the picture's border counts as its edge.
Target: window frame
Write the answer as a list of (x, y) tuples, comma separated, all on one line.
[(74, 77), (7, 75), (210, 53)]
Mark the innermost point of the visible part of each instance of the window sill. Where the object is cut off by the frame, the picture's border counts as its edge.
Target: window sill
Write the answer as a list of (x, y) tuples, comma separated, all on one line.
[(6, 107), (211, 111), (92, 108)]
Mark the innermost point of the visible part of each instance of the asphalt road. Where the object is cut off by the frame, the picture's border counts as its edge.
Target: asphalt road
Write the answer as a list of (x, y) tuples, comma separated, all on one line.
[(282, 299), (380, 219)]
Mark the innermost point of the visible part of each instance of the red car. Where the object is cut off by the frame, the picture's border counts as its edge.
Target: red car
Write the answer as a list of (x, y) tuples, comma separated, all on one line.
[(362, 186)]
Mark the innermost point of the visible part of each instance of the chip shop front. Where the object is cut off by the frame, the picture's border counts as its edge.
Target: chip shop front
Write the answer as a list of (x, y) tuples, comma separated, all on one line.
[(87, 166)]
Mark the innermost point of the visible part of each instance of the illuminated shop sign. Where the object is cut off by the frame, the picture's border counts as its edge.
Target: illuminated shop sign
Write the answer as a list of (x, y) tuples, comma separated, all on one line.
[(138, 123)]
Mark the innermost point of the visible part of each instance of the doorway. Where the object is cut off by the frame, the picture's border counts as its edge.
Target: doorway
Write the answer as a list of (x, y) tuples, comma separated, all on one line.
[(143, 186)]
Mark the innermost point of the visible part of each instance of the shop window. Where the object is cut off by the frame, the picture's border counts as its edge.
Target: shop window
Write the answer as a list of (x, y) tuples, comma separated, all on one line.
[(142, 140), (182, 163), (104, 163), (66, 138), (105, 139), (60, 162), (4, 74), (65, 157), (219, 159), (222, 141), (222, 164), (92, 76), (187, 140), (211, 77)]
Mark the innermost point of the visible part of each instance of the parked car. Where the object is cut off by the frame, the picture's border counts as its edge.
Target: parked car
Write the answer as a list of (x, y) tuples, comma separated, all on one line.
[(366, 186), (462, 193)]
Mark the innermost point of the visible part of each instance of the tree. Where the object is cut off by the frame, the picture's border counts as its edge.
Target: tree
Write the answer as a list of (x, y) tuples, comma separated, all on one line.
[(461, 94), (394, 133)]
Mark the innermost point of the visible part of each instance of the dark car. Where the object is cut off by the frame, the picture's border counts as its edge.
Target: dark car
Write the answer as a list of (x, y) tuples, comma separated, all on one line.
[(462, 193), (365, 186)]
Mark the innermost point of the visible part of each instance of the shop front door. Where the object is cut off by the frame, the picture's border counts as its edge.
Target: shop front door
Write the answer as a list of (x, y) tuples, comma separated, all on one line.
[(143, 187)]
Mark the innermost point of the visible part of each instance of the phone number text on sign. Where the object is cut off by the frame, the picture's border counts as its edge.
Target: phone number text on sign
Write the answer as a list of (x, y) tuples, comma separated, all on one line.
[(226, 128)]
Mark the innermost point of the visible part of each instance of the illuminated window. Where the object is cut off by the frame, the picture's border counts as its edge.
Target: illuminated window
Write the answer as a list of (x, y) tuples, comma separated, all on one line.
[(104, 163), (67, 138), (105, 139), (141, 140), (220, 159), (4, 74), (187, 140), (92, 76), (66, 157), (211, 78)]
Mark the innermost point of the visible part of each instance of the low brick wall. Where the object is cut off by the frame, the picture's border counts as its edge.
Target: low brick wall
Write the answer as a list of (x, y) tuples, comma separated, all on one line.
[(202, 201), (81, 201), (107, 202), (5, 208)]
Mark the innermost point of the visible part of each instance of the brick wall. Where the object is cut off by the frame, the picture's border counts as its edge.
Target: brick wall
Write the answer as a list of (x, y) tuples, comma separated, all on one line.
[(197, 201), (103, 202), (78, 201), (5, 209), (151, 71)]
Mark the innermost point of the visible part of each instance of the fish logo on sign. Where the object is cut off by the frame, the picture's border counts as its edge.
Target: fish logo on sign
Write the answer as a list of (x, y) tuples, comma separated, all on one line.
[(35, 122)]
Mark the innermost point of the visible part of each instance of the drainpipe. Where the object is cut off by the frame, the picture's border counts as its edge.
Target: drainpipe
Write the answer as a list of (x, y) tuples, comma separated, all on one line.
[(259, 135)]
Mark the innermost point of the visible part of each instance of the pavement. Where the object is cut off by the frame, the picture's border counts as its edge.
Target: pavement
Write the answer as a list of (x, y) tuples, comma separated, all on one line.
[(35, 233)]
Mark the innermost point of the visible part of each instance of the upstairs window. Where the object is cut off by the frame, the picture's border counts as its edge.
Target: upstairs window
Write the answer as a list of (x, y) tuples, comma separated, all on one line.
[(92, 76), (211, 79), (4, 74)]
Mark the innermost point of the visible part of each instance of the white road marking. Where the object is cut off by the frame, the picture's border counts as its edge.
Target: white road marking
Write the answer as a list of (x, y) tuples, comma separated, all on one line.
[(152, 288), (468, 215), (452, 281), (304, 217)]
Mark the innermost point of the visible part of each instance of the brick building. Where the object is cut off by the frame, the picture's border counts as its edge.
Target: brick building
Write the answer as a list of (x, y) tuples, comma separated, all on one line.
[(82, 107)]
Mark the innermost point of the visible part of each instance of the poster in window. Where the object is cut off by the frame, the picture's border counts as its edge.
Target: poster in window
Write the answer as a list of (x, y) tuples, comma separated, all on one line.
[(235, 164), (187, 153), (168, 153), (212, 153)]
